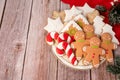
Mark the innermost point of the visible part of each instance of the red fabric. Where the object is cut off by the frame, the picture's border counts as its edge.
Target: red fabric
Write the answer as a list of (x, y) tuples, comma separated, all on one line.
[(92, 3)]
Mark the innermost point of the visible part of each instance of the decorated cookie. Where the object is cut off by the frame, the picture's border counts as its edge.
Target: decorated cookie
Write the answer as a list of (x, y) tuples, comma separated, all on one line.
[(81, 20), (70, 14), (69, 24), (93, 52), (57, 14), (92, 15), (86, 9), (89, 31), (72, 30), (64, 47), (108, 45), (98, 25), (79, 43), (54, 25)]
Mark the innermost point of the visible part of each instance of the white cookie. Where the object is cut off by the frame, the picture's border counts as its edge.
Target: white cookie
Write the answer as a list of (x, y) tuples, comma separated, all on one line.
[(69, 24), (54, 25), (71, 13)]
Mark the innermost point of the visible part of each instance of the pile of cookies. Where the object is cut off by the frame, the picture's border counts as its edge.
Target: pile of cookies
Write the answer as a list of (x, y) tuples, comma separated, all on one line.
[(81, 35)]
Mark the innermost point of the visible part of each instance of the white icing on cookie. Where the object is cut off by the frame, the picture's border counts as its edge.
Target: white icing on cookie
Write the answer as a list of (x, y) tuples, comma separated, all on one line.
[(69, 24), (80, 16), (71, 13), (86, 9), (54, 25), (98, 25)]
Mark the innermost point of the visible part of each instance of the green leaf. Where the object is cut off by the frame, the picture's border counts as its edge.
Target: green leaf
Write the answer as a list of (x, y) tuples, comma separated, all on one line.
[(114, 15), (100, 8), (113, 69)]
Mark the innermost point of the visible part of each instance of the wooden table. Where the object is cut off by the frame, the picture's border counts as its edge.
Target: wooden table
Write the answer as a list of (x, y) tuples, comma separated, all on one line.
[(24, 54)]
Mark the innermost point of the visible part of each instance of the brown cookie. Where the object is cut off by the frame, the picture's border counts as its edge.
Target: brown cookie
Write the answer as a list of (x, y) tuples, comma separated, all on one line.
[(108, 45), (57, 14), (89, 31), (92, 15), (79, 43), (81, 23), (93, 52), (72, 30)]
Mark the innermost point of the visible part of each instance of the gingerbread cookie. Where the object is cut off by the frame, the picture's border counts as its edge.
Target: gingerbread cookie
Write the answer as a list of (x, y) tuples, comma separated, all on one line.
[(92, 15), (89, 31), (81, 23), (57, 14), (93, 52), (81, 20), (108, 45), (108, 28), (72, 30), (79, 43)]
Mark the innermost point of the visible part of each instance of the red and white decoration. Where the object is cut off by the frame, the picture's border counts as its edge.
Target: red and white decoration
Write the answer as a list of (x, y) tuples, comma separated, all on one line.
[(64, 37), (51, 37), (64, 47)]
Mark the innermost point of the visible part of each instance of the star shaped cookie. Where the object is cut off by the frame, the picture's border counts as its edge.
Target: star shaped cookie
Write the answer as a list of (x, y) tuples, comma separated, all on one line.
[(69, 14), (54, 25), (86, 9)]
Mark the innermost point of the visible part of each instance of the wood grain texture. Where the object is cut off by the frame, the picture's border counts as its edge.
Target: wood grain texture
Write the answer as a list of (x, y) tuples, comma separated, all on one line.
[(2, 7), (101, 73), (66, 73), (13, 36), (40, 63), (64, 6)]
